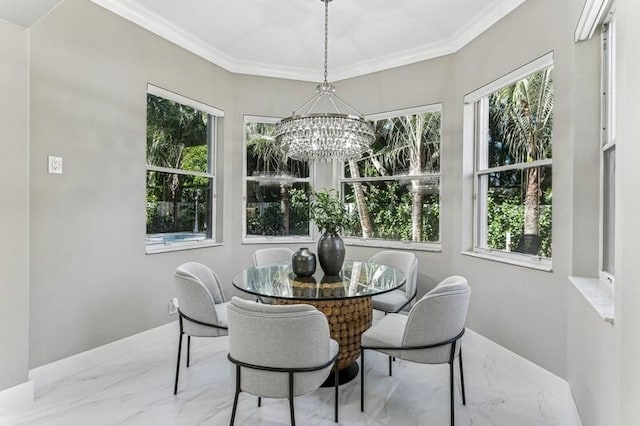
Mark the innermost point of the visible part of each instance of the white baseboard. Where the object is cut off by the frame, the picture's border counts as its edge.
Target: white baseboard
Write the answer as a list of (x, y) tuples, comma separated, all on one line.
[(17, 396), (52, 372)]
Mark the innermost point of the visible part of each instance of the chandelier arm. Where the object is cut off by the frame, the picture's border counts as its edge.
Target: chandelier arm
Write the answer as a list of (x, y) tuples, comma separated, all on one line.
[(313, 101), (334, 105), (348, 105)]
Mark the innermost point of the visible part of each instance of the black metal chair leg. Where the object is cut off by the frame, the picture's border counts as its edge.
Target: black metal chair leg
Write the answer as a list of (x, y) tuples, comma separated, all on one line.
[(451, 391), (390, 366), (175, 386), (335, 383), (464, 399), (188, 349), (362, 380), (259, 401), (293, 415), (235, 398)]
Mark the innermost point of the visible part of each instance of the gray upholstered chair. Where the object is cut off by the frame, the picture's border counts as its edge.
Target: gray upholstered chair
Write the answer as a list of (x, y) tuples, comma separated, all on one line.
[(430, 334), (397, 300), (202, 309), (271, 256), (280, 351)]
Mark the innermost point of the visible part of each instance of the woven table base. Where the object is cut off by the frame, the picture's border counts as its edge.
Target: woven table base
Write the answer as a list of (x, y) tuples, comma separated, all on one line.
[(348, 319)]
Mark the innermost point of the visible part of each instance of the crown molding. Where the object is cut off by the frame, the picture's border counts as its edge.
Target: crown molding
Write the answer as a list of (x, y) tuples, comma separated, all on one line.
[(169, 31)]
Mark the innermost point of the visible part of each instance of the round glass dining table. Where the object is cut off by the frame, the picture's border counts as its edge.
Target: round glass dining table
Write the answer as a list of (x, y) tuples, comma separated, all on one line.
[(345, 298)]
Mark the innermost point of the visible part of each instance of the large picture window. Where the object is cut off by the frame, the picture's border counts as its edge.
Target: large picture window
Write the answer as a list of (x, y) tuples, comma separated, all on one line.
[(271, 179), (513, 165), (180, 170), (393, 192)]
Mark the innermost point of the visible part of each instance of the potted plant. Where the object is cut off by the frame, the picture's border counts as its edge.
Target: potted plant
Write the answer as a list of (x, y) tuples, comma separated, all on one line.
[(330, 215)]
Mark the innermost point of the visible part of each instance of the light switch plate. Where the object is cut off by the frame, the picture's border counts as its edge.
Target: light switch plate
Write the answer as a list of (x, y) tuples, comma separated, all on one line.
[(55, 165)]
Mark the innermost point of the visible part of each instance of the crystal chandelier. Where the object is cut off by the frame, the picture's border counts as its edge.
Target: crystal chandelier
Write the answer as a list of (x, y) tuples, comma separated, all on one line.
[(325, 136)]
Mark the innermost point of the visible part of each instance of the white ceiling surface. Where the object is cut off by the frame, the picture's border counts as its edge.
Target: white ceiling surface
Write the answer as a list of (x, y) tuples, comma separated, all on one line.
[(25, 12), (285, 38)]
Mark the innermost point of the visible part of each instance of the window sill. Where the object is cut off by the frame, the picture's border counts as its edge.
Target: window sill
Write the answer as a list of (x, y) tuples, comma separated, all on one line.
[(278, 240), (166, 248), (598, 294), (406, 245), (540, 266)]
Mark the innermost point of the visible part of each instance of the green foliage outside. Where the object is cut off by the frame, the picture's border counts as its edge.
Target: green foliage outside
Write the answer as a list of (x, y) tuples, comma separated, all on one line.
[(177, 138), (390, 213), (505, 215)]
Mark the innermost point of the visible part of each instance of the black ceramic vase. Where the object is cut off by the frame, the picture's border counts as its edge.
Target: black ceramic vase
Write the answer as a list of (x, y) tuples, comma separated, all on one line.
[(331, 253), (303, 262)]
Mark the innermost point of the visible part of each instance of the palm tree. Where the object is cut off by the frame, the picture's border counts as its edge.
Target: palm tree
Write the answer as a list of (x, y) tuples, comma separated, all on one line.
[(522, 117), (412, 142)]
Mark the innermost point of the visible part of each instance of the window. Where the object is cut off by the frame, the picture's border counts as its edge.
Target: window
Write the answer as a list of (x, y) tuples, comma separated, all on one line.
[(270, 181), (393, 192), (513, 119), (180, 171), (608, 157)]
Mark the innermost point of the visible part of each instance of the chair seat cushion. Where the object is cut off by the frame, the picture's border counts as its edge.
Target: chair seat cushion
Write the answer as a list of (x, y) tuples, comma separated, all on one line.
[(199, 330), (386, 332), (392, 301)]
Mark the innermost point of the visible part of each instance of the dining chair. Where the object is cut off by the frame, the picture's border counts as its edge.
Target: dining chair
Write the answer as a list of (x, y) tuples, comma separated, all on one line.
[(280, 351), (271, 256), (396, 300), (202, 310), (430, 334)]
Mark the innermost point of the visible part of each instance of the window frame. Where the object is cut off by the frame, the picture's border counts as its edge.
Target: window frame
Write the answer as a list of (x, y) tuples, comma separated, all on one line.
[(215, 115), (340, 179), (270, 239), (476, 115), (608, 138)]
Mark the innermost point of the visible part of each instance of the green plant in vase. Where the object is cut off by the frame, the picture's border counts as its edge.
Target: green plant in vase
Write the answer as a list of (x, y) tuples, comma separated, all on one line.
[(330, 215)]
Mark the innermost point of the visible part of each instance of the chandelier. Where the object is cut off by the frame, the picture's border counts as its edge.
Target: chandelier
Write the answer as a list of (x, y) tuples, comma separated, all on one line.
[(325, 136)]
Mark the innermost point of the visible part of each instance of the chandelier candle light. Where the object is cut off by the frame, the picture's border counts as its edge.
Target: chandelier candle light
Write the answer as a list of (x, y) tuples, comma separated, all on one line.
[(325, 136)]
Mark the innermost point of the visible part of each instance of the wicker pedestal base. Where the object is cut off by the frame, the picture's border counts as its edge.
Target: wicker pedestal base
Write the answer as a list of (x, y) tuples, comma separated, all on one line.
[(348, 319)]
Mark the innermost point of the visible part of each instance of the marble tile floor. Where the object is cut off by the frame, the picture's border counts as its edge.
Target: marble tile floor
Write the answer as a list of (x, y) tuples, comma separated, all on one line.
[(502, 389)]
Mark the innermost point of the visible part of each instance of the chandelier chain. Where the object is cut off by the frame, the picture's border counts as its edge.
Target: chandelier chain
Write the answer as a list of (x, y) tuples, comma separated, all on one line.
[(326, 39)]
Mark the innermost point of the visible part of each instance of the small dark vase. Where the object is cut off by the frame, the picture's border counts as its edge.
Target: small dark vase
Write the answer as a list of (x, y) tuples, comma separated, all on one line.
[(303, 262), (331, 253)]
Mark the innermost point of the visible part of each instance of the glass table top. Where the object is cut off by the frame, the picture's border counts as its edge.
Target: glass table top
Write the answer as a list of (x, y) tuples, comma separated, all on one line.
[(357, 279)]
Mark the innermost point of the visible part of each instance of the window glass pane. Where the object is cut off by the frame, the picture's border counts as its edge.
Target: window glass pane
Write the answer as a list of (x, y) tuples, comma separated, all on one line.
[(394, 210), (266, 158), (398, 208), (178, 207), (408, 144), (521, 120), (517, 211), (177, 135), (269, 211), (608, 210)]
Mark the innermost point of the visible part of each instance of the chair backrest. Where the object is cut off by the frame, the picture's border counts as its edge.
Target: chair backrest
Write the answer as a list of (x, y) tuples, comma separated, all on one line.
[(281, 336), (198, 290), (438, 316), (405, 261), (269, 256)]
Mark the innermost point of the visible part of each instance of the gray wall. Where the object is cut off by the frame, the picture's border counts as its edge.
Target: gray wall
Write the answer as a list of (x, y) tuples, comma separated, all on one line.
[(14, 206), (628, 210)]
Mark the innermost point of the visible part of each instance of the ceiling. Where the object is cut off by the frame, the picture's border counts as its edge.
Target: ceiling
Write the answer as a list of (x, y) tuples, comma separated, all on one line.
[(285, 38)]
